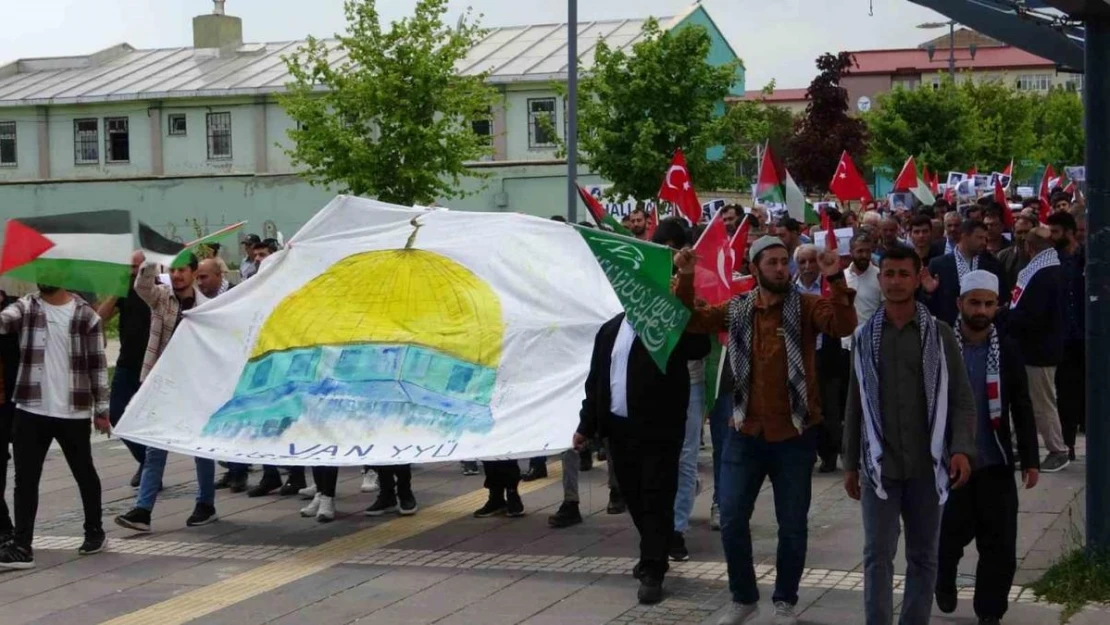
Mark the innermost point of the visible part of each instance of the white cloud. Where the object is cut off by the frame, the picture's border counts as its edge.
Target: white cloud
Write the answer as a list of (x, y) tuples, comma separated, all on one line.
[(776, 38)]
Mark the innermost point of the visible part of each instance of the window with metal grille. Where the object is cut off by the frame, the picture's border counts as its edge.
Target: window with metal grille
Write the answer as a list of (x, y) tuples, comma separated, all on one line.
[(117, 140), (219, 136), (7, 144), (86, 142), (540, 133), (177, 125)]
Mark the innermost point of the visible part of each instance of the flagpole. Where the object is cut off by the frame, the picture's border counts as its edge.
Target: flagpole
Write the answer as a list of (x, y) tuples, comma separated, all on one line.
[(572, 110)]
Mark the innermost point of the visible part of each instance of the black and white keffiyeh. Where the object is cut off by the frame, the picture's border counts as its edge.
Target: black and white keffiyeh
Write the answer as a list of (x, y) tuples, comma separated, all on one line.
[(741, 324), (1047, 258), (962, 266), (869, 339)]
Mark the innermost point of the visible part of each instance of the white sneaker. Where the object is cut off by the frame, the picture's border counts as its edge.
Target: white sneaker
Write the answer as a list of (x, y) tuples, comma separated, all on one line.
[(312, 508), (784, 614), (739, 613), (369, 482), (307, 492), (326, 513)]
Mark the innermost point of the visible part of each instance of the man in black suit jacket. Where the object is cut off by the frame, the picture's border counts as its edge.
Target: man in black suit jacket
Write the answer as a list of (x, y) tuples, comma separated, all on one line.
[(644, 418), (942, 284), (986, 508)]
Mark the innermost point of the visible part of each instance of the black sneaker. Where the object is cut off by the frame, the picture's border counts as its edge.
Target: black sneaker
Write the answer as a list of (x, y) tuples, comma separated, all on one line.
[(237, 484), (1055, 462), (514, 507), (1071, 454), (651, 590), (990, 620), (291, 488), (137, 478), (15, 557), (406, 504), (470, 467), (5, 538), (567, 515), (136, 519), (678, 551), (827, 467), (946, 601), (203, 514), (601, 455), (616, 503), (94, 543), (534, 473), (224, 481), (585, 461), (263, 488), (493, 507), (383, 505)]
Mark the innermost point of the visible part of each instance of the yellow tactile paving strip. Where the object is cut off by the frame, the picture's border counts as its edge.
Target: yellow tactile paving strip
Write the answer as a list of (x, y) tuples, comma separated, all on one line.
[(208, 599)]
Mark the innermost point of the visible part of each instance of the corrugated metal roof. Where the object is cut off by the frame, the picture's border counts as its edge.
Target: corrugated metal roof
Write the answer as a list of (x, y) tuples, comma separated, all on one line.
[(120, 73)]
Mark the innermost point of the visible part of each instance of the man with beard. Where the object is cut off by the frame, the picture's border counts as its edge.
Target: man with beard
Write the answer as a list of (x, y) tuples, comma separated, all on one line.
[(888, 234), (952, 222), (167, 306), (992, 219), (773, 334), (908, 431), (731, 214), (62, 382), (134, 331), (210, 278), (1014, 258), (637, 224), (986, 509), (863, 276), (1036, 318), (1071, 388), (942, 281)]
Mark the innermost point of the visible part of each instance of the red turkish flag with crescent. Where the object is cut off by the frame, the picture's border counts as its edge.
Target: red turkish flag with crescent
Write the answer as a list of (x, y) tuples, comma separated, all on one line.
[(679, 190), (847, 184), (713, 272)]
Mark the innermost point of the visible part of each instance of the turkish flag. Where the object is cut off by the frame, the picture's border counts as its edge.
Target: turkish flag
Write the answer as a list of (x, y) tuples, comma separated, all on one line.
[(679, 190), (713, 272), (1046, 207), (22, 244), (1000, 197), (847, 184), (739, 242), (907, 179), (1009, 171)]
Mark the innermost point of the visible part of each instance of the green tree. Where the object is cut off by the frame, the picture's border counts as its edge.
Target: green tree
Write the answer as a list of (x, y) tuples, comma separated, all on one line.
[(635, 109), (751, 123), (1058, 127), (939, 127), (1003, 124), (392, 119)]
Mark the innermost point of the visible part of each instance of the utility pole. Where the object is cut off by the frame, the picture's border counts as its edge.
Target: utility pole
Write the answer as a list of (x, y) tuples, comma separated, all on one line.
[(572, 111), (952, 50), (1096, 91)]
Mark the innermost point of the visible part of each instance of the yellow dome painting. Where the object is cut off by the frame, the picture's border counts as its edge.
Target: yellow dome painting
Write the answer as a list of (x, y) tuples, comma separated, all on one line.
[(404, 337)]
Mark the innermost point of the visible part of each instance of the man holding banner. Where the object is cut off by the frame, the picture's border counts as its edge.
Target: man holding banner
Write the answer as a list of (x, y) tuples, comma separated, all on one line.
[(773, 334)]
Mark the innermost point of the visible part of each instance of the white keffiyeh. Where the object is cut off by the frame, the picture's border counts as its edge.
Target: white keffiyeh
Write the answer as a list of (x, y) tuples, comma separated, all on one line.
[(962, 266)]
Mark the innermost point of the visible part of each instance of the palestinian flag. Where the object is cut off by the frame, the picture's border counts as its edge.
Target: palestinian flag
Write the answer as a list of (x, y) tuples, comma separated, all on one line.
[(797, 206), (170, 254), (85, 252), (599, 214), (769, 188)]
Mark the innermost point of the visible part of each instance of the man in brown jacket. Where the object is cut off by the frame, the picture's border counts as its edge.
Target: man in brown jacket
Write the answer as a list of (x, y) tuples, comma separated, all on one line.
[(772, 350)]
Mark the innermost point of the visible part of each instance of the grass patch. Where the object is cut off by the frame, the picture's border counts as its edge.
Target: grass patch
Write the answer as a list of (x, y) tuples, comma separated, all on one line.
[(1079, 578)]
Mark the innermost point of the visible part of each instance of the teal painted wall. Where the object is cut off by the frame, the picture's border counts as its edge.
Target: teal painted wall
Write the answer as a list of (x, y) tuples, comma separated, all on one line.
[(720, 52)]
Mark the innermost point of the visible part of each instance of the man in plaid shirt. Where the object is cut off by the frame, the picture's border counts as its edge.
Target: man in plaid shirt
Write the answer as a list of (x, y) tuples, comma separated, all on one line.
[(62, 382)]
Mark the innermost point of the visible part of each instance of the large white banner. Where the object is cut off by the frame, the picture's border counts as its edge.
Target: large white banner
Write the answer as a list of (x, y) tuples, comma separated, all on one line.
[(386, 335)]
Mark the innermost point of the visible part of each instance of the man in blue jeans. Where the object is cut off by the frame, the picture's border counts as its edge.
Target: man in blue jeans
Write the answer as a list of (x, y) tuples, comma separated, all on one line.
[(167, 305), (688, 462), (909, 436), (773, 334), (134, 332)]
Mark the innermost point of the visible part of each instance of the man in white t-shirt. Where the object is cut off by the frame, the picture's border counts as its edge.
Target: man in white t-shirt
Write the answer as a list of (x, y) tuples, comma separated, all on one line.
[(63, 381), (863, 276)]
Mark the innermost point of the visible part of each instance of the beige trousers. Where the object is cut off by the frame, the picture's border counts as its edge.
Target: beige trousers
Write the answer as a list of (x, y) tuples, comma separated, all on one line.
[(1042, 391)]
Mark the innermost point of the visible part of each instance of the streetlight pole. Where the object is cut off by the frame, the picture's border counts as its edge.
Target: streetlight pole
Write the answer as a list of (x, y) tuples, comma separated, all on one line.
[(952, 50), (572, 110)]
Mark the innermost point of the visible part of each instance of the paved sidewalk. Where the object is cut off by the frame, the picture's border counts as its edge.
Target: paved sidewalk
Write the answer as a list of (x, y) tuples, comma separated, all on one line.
[(263, 563)]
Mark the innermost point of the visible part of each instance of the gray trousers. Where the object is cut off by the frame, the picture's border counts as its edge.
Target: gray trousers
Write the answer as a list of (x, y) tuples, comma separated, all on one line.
[(570, 462), (915, 501)]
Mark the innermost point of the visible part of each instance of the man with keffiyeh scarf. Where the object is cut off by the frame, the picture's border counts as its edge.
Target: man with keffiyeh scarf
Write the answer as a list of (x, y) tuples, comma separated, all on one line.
[(772, 348), (909, 436), (986, 509)]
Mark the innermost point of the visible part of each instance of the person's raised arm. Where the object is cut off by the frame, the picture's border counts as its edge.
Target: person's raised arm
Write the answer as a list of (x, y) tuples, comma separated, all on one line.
[(703, 319), (834, 315)]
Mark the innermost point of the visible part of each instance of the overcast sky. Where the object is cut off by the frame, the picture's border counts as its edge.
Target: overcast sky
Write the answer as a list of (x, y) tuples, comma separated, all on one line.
[(776, 38)]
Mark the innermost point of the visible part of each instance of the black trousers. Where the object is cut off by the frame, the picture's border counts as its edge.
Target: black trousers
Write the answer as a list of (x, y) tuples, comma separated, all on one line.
[(395, 480), (501, 476), (125, 383), (1071, 391), (325, 478), (7, 411), (647, 472), (31, 438), (271, 474), (832, 381), (985, 510)]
